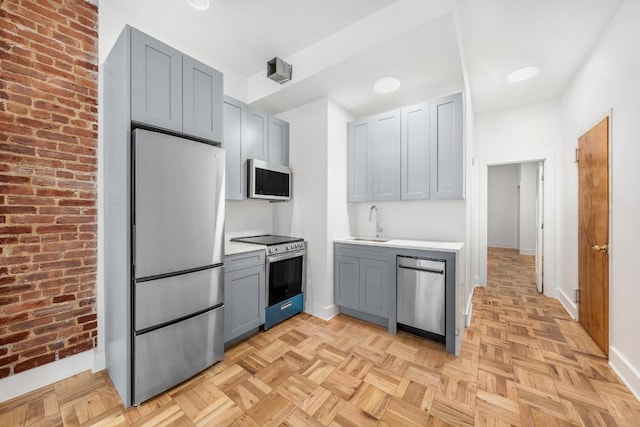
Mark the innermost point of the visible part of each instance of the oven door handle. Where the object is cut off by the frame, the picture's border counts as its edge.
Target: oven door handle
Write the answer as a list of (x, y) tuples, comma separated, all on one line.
[(287, 255)]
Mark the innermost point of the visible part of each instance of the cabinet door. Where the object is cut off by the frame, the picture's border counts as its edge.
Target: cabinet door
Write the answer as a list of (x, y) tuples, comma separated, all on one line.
[(278, 141), (359, 161), (156, 83), (374, 287), (244, 307), (257, 135), (234, 124), (414, 149), (386, 156), (347, 282), (446, 147), (202, 100)]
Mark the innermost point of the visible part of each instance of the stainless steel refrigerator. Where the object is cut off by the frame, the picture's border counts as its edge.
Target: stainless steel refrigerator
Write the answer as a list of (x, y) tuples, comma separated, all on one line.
[(176, 254)]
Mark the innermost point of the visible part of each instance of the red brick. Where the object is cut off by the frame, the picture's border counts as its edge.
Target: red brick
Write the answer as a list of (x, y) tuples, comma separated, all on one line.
[(35, 362), (48, 172), (13, 338)]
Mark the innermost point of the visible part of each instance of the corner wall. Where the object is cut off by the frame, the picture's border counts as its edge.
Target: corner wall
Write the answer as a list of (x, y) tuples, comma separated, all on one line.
[(608, 80)]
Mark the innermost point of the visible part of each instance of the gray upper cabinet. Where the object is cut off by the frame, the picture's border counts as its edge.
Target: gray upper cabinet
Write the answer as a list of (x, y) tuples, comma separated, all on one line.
[(386, 156), (250, 134), (446, 147), (156, 82), (172, 91), (415, 152), (278, 141), (202, 100), (234, 120), (258, 135), (359, 161)]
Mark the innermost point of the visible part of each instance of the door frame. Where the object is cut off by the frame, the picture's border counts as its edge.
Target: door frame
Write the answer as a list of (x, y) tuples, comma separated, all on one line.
[(611, 247), (549, 242)]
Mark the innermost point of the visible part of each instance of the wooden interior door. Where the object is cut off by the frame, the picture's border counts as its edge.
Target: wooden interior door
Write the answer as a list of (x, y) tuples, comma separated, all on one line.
[(593, 233)]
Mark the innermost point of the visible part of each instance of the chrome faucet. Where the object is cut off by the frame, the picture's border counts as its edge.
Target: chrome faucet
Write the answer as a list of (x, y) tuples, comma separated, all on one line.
[(378, 228)]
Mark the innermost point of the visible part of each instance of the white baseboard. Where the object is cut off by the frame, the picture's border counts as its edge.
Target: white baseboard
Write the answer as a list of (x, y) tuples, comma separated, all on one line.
[(502, 245), (568, 305), (627, 373), (467, 313), (324, 313), (33, 379), (527, 251), (99, 361)]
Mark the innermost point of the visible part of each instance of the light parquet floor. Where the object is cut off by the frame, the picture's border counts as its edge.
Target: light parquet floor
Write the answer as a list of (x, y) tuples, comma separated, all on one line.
[(524, 362)]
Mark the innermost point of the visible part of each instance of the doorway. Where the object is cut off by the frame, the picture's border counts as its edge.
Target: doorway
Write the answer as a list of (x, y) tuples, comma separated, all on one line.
[(515, 213), (593, 233), (548, 240)]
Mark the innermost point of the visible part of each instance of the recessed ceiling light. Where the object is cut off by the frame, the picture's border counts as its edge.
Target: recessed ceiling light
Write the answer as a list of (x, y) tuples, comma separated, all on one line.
[(386, 85), (524, 73), (199, 4)]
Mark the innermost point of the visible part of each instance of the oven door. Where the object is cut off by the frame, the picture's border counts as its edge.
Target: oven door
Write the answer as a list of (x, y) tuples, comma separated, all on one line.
[(286, 276)]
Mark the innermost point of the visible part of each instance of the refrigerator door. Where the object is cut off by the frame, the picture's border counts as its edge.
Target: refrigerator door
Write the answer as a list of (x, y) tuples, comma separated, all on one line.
[(178, 204), (170, 298), (167, 356)]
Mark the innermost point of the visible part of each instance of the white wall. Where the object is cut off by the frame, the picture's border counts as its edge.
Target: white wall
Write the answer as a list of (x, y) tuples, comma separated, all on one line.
[(523, 134), (527, 210), (248, 218), (306, 214), (411, 219), (609, 80), (503, 206)]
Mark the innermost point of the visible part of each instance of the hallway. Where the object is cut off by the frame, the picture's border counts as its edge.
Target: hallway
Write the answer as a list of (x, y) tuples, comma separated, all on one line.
[(536, 364)]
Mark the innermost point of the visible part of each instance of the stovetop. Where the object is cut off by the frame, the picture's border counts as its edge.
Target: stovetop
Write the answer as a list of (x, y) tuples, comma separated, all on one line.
[(267, 239)]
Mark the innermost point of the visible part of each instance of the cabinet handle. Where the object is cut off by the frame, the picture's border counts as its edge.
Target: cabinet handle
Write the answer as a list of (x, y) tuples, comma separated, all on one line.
[(286, 305)]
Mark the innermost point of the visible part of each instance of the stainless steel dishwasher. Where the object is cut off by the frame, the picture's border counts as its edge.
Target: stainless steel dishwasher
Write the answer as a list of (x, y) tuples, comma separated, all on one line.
[(421, 296)]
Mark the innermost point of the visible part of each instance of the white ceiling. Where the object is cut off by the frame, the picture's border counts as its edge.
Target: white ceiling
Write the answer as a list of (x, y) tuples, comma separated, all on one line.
[(339, 48)]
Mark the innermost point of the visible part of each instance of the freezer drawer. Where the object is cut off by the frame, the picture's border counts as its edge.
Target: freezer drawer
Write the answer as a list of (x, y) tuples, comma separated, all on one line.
[(421, 294), (170, 298), (178, 204), (167, 356)]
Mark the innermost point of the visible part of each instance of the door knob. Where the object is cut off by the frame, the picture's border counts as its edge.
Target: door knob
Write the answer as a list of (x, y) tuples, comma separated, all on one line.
[(603, 248)]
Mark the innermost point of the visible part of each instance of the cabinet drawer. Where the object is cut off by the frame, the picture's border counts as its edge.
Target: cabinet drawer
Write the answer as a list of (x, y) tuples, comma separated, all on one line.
[(361, 251), (244, 260)]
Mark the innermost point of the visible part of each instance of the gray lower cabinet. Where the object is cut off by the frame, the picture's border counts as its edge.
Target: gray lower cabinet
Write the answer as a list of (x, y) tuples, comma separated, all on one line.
[(244, 294), (386, 156), (360, 283), (415, 153), (172, 91)]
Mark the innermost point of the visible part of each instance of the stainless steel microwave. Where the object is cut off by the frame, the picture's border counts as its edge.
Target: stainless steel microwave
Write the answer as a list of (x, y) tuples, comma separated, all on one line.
[(268, 181)]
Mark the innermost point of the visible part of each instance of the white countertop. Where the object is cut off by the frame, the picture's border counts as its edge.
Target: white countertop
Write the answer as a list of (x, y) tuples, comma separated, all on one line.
[(407, 244), (233, 248)]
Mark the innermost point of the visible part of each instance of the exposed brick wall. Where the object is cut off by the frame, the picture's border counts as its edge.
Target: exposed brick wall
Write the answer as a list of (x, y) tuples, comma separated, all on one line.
[(48, 161)]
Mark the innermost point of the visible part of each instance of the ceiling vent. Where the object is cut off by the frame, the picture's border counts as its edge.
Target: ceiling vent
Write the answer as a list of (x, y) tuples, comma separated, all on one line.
[(278, 70)]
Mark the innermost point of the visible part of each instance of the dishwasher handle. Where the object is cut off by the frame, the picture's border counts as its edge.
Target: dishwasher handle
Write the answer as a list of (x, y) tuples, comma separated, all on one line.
[(426, 270)]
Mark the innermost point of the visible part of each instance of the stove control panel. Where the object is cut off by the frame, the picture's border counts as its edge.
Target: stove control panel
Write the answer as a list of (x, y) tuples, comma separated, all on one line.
[(285, 247)]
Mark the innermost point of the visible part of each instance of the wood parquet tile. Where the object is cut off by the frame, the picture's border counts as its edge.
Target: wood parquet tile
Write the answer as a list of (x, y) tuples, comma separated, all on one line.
[(523, 362)]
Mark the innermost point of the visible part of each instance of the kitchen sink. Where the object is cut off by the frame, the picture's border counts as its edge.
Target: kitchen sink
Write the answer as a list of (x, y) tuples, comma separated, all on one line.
[(371, 239)]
